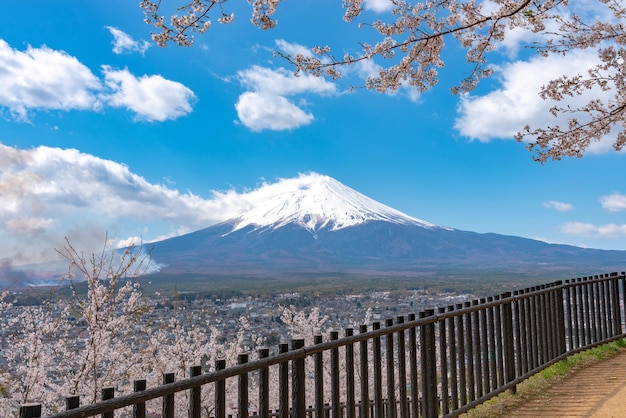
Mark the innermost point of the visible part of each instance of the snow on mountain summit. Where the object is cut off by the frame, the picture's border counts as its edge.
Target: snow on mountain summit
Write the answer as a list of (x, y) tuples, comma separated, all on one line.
[(316, 201)]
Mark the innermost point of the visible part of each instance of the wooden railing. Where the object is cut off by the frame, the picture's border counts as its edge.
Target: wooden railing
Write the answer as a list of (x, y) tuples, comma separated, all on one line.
[(440, 362)]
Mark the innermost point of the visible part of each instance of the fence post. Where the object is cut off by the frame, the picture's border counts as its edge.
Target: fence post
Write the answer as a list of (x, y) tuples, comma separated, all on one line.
[(319, 378), (429, 367), (404, 410), (334, 377), (542, 329), (552, 331), (493, 354), (569, 331), (478, 365), (108, 393), (264, 385), (72, 402), (518, 325), (139, 409), (460, 338), (195, 405), (556, 299), (378, 378), (30, 410), (350, 401), (484, 343), (576, 314), (623, 280), (168, 400), (297, 377), (597, 310), (471, 352), (454, 376), (443, 361), (413, 368), (509, 348), (220, 391), (584, 306), (560, 311), (242, 398), (364, 367), (617, 315), (389, 360), (531, 329), (283, 384)]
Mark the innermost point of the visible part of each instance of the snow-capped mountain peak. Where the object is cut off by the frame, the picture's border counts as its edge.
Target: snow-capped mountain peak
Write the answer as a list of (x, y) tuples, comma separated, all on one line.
[(316, 201)]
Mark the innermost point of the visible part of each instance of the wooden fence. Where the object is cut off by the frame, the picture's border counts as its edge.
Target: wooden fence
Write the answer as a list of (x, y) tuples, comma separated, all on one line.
[(441, 362)]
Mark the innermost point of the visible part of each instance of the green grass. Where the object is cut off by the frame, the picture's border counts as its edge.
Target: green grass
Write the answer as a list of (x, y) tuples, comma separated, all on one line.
[(565, 366), (503, 404)]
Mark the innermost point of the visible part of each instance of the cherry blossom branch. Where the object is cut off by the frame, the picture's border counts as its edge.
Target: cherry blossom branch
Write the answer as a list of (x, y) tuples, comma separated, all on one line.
[(415, 38)]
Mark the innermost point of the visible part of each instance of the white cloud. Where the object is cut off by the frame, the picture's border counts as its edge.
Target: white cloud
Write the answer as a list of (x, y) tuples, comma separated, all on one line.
[(615, 202), (41, 78), (594, 231), (23, 225), (292, 48), (152, 98), (264, 191), (265, 105), (122, 42), (378, 6), (282, 82), (45, 79), (559, 206), (49, 193), (258, 111), (367, 68), (502, 113)]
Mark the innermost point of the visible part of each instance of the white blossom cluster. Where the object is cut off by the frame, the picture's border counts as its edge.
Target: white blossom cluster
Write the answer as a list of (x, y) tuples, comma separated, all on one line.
[(102, 337), (196, 18), (603, 112)]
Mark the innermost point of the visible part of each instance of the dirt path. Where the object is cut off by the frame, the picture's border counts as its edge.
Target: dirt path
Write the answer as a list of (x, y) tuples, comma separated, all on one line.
[(598, 391)]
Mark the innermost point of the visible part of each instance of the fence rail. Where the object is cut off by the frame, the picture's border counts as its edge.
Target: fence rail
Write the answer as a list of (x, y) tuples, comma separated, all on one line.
[(441, 362)]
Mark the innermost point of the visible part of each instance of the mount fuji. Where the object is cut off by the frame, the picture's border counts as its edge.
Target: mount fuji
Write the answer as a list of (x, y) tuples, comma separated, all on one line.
[(317, 202), (320, 226)]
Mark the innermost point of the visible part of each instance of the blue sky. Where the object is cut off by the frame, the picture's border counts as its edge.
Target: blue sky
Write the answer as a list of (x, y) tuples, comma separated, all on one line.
[(101, 130)]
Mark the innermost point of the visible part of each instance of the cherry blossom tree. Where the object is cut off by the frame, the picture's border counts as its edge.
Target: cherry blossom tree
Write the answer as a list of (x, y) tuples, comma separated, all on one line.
[(104, 335), (76, 346), (36, 337), (411, 38)]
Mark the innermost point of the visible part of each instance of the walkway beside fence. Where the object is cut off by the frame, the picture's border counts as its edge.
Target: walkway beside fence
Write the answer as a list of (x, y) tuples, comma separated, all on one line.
[(598, 390)]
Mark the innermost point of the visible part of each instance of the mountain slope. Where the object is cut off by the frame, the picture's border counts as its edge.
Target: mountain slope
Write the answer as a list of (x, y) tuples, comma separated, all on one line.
[(373, 246), (319, 225), (317, 202)]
